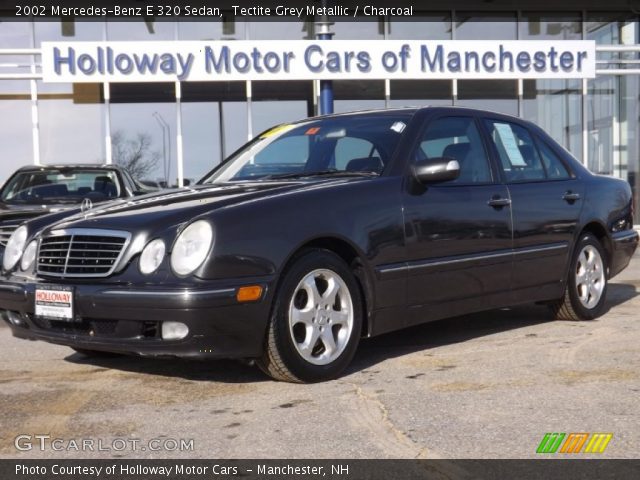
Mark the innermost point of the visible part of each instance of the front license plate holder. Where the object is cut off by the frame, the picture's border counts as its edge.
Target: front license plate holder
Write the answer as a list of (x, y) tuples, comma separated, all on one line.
[(55, 302)]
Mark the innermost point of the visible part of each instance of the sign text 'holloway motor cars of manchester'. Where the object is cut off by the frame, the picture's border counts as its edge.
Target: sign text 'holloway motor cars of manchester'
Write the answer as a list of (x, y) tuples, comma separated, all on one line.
[(312, 60), (323, 231)]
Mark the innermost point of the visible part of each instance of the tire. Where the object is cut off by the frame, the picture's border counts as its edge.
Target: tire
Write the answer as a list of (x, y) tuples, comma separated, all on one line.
[(586, 291), (309, 338)]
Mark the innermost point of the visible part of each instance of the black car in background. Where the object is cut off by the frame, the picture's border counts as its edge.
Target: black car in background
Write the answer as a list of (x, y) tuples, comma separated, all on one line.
[(33, 191), (321, 232)]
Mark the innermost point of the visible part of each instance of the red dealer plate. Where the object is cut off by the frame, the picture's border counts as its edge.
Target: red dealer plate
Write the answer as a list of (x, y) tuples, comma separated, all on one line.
[(55, 302)]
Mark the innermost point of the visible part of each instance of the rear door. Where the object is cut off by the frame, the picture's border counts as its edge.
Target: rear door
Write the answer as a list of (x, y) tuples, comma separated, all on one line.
[(546, 203)]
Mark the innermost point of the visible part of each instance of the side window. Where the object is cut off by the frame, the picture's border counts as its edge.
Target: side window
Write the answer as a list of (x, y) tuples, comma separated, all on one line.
[(350, 148), (457, 138), (552, 163), (518, 154)]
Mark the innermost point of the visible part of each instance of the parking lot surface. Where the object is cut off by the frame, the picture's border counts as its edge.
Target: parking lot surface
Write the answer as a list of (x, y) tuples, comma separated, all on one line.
[(488, 385)]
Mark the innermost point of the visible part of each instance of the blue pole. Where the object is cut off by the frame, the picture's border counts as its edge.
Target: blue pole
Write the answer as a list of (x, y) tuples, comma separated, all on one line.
[(326, 86), (326, 97)]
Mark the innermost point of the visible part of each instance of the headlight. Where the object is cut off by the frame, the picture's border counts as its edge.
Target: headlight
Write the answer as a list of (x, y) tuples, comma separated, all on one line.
[(14, 248), (29, 255), (152, 257), (192, 247)]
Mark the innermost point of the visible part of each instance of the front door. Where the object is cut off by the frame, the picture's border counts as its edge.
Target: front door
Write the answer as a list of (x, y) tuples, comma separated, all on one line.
[(459, 235)]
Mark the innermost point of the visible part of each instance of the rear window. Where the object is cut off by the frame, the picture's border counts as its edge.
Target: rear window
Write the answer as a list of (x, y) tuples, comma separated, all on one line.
[(61, 186)]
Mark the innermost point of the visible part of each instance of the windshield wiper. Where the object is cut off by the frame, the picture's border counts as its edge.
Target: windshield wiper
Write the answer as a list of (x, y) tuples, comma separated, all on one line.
[(332, 172)]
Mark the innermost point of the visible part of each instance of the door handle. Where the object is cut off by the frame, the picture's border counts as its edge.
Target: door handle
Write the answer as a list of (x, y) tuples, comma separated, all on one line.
[(570, 196), (499, 202)]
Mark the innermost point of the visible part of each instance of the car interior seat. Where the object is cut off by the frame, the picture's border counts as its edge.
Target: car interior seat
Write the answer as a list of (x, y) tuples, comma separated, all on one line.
[(105, 185), (365, 164), (51, 190)]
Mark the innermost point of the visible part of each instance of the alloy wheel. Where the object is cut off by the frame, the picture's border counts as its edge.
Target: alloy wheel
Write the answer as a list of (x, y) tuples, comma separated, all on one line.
[(321, 317)]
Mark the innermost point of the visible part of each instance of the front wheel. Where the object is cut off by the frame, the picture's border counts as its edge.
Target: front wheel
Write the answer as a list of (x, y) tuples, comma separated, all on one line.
[(316, 321), (586, 288)]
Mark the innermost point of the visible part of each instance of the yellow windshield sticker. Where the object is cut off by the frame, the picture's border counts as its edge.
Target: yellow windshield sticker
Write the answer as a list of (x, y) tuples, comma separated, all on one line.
[(276, 130)]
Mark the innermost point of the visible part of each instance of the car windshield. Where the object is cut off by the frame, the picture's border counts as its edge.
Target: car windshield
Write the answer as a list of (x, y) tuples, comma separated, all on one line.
[(349, 145), (61, 186)]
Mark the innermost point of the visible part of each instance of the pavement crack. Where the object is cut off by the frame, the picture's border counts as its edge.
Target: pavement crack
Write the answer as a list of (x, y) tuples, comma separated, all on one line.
[(371, 413)]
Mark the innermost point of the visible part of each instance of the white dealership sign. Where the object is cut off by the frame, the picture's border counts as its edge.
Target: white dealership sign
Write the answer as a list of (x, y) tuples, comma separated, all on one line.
[(312, 60)]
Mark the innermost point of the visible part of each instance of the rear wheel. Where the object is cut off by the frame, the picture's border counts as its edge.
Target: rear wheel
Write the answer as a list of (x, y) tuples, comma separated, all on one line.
[(586, 289), (316, 322)]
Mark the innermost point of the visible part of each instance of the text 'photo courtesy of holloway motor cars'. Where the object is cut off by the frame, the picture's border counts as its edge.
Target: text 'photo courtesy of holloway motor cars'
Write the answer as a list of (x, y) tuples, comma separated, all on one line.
[(321, 232)]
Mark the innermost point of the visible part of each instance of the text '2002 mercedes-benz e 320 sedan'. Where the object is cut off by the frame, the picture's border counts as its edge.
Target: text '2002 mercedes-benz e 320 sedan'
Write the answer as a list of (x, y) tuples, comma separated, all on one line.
[(320, 232)]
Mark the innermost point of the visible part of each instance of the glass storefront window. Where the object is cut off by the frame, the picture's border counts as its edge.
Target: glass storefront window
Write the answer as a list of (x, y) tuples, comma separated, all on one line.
[(63, 116), (149, 29), (68, 30), (216, 116), (201, 138), (556, 106), (358, 30), (228, 101), (613, 112), (204, 30), (550, 26), (15, 135), (493, 26), (601, 113), (235, 126), (495, 95), (418, 93), (353, 95), (425, 27), (292, 30), (344, 106), (14, 35), (137, 129)]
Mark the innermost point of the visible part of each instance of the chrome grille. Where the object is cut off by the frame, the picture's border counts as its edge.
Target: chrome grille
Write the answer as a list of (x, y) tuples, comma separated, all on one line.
[(81, 253), (6, 229)]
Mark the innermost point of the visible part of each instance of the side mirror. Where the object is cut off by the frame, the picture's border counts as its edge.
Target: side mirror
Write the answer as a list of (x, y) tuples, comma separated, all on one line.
[(435, 170)]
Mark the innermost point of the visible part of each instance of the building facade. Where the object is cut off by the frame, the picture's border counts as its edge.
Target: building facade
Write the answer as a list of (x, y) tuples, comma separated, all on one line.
[(596, 119)]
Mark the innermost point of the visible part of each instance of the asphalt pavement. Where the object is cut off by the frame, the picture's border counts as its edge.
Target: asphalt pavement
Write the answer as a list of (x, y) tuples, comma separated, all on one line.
[(488, 385)]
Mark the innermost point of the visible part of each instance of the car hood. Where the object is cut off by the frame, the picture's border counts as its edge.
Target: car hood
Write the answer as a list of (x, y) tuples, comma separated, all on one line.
[(174, 207), (10, 211)]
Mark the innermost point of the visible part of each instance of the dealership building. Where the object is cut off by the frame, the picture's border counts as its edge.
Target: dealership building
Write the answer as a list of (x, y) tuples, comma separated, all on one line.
[(189, 125)]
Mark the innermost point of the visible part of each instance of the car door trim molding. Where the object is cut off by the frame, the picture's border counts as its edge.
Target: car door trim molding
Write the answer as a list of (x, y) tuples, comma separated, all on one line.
[(418, 265)]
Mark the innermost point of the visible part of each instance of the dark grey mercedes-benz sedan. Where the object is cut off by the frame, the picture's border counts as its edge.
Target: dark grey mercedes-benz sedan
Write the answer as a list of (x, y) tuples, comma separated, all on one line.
[(323, 231), (37, 190)]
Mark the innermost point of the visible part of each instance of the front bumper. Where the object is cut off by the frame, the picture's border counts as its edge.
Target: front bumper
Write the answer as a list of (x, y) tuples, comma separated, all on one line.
[(125, 319)]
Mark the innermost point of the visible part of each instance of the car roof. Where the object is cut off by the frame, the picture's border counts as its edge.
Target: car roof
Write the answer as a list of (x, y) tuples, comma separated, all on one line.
[(413, 110), (72, 166)]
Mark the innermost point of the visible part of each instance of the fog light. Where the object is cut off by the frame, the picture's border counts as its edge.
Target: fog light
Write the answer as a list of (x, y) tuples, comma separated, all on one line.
[(174, 331), (13, 317)]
